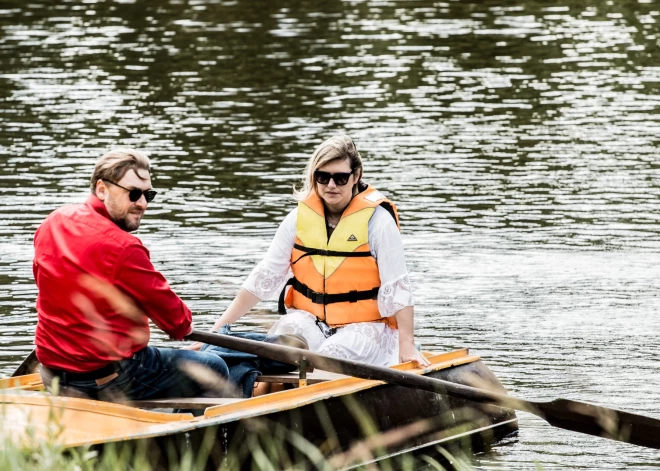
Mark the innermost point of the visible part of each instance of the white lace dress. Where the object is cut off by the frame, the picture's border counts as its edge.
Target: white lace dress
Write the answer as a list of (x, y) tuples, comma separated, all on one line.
[(371, 342)]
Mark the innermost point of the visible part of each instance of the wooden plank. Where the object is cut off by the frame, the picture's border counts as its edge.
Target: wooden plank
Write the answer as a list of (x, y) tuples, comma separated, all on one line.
[(183, 402), (31, 382), (203, 402), (317, 376), (79, 414)]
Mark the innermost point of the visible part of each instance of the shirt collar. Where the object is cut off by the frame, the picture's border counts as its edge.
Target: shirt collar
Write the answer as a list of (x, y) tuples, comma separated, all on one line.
[(97, 205)]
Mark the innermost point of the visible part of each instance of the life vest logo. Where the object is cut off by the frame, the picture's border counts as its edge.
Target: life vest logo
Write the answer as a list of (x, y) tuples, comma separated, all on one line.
[(352, 238)]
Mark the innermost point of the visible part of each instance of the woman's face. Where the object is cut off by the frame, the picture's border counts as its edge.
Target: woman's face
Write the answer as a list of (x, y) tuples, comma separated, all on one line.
[(336, 197)]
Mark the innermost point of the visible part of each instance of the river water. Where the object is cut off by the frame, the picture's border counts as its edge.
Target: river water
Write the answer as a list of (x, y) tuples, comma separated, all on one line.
[(518, 139)]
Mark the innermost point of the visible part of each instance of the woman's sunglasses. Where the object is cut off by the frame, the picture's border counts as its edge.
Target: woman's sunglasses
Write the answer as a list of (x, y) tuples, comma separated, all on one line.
[(135, 193), (323, 178)]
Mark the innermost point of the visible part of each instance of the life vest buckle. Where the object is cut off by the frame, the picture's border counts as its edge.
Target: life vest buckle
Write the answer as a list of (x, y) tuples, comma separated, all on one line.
[(317, 298)]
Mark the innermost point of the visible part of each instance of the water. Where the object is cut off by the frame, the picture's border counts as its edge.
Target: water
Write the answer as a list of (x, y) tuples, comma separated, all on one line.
[(518, 139)]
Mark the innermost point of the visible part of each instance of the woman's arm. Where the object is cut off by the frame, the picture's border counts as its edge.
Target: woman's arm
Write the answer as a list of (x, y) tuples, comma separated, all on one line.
[(407, 349), (266, 279), (395, 294), (240, 306)]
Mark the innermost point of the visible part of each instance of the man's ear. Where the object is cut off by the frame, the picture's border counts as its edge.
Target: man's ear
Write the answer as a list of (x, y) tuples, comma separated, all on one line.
[(101, 190)]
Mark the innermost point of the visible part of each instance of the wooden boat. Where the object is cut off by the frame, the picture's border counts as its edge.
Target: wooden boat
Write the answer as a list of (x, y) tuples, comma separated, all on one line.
[(320, 422)]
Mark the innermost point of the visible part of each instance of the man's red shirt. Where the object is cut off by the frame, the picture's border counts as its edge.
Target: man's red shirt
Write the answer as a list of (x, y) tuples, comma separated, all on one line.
[(78, 330)]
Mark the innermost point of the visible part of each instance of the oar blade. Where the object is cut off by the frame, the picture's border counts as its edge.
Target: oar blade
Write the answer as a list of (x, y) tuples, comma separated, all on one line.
[(602, 422), (29, 365)]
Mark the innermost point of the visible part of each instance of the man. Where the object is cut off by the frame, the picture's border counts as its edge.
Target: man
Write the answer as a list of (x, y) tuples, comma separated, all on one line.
[(98, 290)]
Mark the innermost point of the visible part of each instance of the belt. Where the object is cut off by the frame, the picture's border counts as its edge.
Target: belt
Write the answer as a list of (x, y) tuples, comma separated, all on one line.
[(102, 372)]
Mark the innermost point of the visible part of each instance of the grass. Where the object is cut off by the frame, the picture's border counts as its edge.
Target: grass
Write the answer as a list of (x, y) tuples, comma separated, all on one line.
[(264, 446), (48, 457)]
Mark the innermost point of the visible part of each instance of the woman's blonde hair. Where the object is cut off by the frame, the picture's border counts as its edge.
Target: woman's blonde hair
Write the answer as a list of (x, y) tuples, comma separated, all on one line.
[(336, 148), (114, 165)]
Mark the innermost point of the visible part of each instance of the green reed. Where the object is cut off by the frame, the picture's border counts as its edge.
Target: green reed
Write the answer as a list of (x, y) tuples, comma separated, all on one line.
[(265, 446)]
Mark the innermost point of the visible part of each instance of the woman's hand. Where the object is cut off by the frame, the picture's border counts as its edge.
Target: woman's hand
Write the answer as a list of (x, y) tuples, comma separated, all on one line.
[(407, 349), (408, 352), (195, 346)]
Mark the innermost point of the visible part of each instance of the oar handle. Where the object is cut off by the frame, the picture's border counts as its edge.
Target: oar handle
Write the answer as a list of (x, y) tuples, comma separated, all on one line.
[(294, 355)]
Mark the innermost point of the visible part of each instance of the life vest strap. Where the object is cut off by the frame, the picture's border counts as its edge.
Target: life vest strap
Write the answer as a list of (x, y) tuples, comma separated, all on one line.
[(327, 253), (325, 298)]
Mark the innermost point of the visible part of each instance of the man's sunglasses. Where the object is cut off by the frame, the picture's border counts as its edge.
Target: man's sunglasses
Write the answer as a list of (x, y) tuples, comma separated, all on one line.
[(135, 193), (323, 178)]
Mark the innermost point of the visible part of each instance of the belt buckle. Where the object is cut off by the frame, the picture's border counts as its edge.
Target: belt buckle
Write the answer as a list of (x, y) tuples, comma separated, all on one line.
[(106, 379)]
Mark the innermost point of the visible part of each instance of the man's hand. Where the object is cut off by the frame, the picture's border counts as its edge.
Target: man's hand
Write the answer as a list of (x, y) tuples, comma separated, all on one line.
[(195, 346)]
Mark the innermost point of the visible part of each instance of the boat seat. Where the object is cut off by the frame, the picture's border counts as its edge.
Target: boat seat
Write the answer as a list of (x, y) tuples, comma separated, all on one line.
[(318, 376), (183, 402)]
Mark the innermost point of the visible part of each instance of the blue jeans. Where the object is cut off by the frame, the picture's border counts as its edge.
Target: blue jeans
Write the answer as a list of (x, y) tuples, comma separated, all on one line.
[(156, 373)]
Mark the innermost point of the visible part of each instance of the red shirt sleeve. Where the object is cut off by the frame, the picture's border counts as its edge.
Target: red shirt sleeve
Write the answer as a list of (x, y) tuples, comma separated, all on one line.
[(137, 276)]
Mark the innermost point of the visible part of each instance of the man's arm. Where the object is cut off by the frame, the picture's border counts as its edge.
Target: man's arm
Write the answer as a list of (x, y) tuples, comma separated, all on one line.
[(136, 276)]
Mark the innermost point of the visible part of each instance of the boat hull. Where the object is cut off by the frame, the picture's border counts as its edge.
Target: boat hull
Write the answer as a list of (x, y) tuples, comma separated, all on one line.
[(340, 422), (390, 422)]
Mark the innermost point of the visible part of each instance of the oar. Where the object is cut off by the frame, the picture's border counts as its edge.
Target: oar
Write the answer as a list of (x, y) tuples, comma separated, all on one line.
[(29, 365), (563, 413)]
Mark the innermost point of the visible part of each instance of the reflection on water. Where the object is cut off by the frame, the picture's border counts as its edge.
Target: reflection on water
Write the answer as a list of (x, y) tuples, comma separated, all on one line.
[(518, 139)]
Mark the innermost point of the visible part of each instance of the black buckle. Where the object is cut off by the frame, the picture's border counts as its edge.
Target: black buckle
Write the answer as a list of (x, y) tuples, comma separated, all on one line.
[(317, 298), (352, 296)]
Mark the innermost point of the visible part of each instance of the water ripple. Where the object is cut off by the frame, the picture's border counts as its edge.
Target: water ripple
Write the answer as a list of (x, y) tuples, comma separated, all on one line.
[(519, 142)]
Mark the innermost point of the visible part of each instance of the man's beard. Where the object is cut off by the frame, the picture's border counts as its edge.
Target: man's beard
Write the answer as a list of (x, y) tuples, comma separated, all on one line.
[(127, 226)]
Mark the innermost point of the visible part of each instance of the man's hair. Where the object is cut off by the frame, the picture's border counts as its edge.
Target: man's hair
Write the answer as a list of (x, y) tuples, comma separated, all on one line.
[(114, 165)]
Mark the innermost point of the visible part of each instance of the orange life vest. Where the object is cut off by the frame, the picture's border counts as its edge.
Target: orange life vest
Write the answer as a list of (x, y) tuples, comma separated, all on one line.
[(336, 278)]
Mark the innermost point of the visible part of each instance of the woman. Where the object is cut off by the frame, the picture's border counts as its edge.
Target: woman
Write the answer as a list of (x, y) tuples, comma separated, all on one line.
[(350, 295)]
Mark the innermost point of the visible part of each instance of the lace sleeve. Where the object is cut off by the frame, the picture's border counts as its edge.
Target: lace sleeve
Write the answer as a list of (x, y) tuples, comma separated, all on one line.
[(265, 283), (395, 291), (392, 297), (268, 277)]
